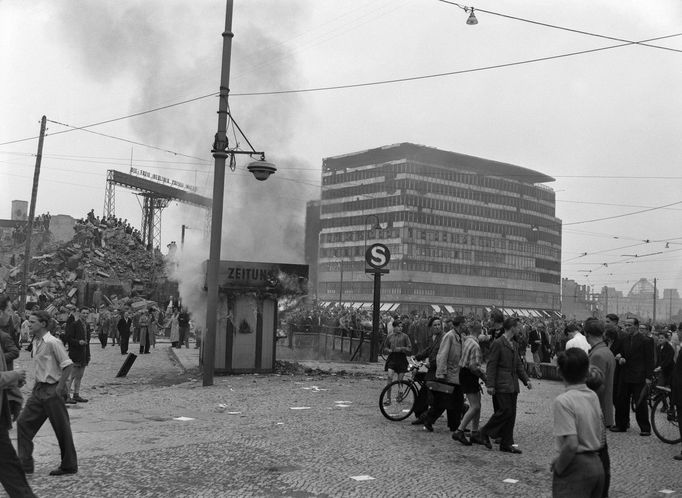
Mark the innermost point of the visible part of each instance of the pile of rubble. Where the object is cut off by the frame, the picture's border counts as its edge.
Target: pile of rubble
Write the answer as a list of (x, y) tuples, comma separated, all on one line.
[(111, 255)]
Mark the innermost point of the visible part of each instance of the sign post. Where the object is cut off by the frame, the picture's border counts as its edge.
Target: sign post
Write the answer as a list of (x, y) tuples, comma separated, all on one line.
[(377, 257)]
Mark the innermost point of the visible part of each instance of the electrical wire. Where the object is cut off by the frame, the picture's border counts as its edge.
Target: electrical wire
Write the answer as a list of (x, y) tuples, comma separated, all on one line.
[(82, 128), (572, 30)]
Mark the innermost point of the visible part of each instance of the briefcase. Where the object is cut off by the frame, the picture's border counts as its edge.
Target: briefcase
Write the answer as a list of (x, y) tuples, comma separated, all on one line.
[(126, 365), (440, 386)]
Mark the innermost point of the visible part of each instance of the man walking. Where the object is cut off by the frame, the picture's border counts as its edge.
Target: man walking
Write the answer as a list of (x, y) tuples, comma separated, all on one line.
[(183, 327), (123, 326), (52, 369), (447, 370), (78, 339), (503, 372), (12, 475), (635, 355)]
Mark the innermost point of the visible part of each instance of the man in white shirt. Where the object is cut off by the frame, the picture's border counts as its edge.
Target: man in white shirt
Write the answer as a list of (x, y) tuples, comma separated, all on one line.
[(577, 340), (52, 367)]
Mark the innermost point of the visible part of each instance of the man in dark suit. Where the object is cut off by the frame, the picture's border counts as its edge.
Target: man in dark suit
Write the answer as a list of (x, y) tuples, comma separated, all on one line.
[(503, 372), (78, 339), (635, 355), (676, 383), (123, 326)]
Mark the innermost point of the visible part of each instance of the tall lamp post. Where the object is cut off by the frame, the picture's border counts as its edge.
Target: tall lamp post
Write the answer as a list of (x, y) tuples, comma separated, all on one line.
[(373, 356), (221, 151)]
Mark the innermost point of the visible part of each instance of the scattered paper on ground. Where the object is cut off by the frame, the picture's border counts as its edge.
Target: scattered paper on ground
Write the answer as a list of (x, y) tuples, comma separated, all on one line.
[(362, 478), (511, 481), (233, 413), (343, 402), (300, 408), (183, 419), (666, 491)]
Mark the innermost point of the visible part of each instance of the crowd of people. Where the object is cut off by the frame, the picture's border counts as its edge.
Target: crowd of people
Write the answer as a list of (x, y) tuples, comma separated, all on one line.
[(59, 341), (41, 223), (605, 365)]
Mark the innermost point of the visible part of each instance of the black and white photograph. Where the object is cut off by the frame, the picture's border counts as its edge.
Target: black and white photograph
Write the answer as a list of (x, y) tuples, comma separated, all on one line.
[(340, 248)]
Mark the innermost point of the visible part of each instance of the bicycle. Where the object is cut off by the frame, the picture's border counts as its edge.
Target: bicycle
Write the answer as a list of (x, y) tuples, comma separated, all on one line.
[(405, 392), (663, 414)]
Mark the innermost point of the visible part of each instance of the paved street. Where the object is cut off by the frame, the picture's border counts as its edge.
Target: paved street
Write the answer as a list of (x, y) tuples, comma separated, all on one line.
[(130, 444)]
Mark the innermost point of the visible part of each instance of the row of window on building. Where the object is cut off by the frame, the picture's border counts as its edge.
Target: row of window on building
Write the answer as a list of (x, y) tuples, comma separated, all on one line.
[(439, 176), (445, 238), (455, 292), (528, 275), (429, 220)]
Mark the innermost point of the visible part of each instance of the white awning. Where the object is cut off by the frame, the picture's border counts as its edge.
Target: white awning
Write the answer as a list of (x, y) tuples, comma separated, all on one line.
[(449, 308), (394, 307), (386, 306), (436, 308)]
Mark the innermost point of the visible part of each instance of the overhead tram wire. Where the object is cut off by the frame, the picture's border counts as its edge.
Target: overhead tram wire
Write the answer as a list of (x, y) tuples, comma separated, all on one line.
[(563, 28), (141, 144), (354, 85)]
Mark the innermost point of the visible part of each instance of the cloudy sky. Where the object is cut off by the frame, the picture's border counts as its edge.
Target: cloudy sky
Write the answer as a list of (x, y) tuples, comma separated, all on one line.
[(605, 123)]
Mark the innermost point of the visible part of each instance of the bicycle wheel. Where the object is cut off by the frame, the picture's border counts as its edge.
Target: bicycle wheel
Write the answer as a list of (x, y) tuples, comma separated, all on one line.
[(664, 420), (399, 404)]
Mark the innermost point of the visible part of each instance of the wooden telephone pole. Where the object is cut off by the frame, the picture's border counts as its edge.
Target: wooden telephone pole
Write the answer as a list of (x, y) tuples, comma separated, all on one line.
[(31, 214)]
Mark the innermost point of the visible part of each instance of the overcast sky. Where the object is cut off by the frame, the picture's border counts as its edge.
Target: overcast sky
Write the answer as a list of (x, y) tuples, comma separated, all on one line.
[(606, 124)]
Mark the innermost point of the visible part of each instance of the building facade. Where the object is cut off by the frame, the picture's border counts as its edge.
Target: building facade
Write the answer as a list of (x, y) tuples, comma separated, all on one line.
[(465, 233)]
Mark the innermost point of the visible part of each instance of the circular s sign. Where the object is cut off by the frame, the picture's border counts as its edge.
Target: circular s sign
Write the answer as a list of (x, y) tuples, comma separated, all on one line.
[(377, 256)]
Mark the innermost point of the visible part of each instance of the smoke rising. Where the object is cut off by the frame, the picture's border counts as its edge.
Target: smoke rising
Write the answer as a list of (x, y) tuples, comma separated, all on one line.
[(171, 51)]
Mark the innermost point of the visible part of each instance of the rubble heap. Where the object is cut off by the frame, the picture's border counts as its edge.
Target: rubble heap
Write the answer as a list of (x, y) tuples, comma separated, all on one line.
[(111, 255)]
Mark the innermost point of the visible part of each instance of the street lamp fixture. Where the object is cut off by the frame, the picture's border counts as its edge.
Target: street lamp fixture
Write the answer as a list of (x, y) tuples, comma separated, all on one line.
[(261, 169), (471, 21)]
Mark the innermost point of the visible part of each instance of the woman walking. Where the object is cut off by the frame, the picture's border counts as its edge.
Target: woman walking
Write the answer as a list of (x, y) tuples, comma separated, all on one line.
[(469, 374)]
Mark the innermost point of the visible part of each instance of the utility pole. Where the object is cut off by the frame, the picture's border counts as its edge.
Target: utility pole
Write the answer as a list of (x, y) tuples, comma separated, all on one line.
[(220, 155), (340, 281), (182, 236), (655, 292), (31, 214)]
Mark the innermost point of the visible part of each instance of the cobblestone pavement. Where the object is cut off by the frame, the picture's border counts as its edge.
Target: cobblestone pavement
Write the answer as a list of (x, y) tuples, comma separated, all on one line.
[(131, 445)]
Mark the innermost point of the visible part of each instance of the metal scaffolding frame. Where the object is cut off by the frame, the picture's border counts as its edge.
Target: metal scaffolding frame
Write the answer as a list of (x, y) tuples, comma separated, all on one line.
[(155, 198)]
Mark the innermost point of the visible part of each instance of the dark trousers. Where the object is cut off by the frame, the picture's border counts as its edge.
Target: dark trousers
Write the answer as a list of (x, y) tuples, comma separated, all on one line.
[(678, 406), (603, 455), (125, 339), (144, 343), (44, 403), (12, 476), (184, 337), (501, 424), (452, 403), (103, 338), (626, 392), (583, 477)]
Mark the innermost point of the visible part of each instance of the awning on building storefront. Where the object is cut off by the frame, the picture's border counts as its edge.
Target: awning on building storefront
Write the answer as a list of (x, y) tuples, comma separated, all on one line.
[(386, 306), (394, 307), (449, 308), (436, 308)]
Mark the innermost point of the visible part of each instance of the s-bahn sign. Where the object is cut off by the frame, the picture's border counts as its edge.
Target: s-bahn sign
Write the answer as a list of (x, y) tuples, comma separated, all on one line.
[(377, 256)]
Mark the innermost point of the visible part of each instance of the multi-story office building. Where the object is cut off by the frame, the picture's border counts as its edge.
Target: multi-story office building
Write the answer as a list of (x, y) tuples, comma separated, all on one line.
[(465, 233)]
